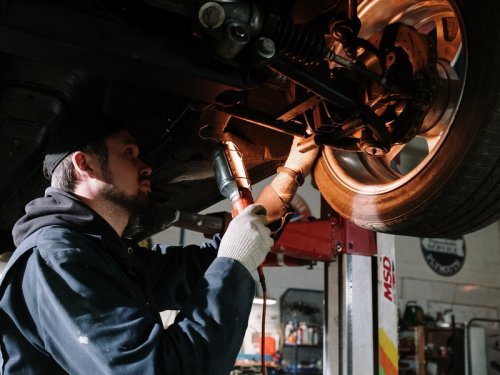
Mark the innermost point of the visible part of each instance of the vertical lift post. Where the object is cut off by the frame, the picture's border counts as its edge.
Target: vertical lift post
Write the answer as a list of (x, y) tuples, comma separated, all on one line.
[(361, 319)]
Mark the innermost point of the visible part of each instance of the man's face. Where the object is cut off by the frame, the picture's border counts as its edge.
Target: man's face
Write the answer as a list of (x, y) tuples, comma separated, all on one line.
[(126, 177)]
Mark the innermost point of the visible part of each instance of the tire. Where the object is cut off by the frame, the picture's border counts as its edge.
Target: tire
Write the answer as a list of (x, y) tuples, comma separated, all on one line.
[(453, 188)]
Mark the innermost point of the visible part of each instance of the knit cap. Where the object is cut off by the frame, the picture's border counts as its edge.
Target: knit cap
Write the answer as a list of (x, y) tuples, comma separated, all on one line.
[(76, 133)]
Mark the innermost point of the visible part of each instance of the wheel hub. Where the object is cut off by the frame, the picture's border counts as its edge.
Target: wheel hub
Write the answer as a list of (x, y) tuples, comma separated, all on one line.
[(396, 104)]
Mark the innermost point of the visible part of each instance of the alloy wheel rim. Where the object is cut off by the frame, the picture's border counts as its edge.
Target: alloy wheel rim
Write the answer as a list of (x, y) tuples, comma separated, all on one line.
[(365, 174)]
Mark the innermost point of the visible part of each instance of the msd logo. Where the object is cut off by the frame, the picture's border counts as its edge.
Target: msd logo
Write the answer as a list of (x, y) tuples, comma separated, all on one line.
[(389, 278)]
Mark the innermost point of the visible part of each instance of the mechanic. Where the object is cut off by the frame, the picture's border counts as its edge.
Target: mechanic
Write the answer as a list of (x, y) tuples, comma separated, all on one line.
[(78, 298)]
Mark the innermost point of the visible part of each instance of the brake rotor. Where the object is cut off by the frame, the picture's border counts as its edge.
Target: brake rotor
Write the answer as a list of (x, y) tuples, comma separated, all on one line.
[(407, 60)]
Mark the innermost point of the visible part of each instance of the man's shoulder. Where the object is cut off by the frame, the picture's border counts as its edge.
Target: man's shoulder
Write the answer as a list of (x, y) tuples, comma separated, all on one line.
[(50, 245), (63, 235), (56, 239)]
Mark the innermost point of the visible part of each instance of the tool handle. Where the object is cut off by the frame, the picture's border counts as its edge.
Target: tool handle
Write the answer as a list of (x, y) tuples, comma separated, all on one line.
[(232, 176), (243, 202)]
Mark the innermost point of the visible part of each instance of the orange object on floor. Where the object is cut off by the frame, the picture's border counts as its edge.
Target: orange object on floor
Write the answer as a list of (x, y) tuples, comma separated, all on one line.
[(269, 345)]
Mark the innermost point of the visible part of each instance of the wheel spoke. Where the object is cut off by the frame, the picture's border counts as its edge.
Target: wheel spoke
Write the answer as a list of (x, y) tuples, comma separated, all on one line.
[(378, 168), (391, 155), (432, 141), (448, 36)]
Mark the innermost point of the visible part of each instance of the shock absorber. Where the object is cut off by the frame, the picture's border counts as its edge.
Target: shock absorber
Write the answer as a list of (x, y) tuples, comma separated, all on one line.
[(298, 45), (308, 47)]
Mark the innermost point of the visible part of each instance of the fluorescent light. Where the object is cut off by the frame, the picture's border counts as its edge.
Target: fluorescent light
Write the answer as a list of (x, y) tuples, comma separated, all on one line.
[(260, 301)]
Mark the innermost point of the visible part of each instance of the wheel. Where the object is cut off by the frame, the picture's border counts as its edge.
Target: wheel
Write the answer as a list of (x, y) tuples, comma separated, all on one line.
[(445, 181)]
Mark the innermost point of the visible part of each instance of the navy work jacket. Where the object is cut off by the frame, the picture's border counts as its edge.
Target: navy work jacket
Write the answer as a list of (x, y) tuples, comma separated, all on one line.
[(77, 303)]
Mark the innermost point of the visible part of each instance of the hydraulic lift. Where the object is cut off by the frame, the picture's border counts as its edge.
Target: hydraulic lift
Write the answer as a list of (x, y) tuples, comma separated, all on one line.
[(361, 319)]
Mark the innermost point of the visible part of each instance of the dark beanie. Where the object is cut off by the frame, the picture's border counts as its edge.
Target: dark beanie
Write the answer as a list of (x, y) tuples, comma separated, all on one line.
[(76, 133)]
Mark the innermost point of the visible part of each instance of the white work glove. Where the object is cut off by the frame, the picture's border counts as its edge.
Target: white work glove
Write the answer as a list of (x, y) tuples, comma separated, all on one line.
[(247, 239)]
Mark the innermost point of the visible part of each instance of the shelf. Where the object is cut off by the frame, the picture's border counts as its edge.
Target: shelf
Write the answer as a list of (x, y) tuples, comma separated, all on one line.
[(303, 346), (302, 320), (422, 345), (410, 357)]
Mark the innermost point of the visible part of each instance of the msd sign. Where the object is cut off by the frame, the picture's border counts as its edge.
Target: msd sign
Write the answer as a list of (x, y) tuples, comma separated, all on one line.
[(387, 306), (389, 278)]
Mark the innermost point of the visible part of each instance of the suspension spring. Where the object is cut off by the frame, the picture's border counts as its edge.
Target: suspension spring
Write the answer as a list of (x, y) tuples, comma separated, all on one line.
[(296, 44)]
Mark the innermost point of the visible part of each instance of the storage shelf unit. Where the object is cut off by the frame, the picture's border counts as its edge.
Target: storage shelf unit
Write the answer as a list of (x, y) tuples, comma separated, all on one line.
[(302, 315), (431, 350)]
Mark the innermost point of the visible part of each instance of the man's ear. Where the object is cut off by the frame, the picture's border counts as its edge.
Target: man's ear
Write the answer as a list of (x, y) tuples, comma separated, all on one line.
[(84, 164)]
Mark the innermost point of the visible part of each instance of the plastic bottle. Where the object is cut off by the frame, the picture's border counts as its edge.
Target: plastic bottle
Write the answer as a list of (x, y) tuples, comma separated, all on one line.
[(288, 330), (305, 334), (289, 333)]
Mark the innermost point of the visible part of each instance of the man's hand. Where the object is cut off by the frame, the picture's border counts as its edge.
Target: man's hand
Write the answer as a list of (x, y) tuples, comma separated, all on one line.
[(277, 196), (301, 162), (247, 238), (297, 166)]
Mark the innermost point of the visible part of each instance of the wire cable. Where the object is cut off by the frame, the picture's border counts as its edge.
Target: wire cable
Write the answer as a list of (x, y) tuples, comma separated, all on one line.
[(262, 280)]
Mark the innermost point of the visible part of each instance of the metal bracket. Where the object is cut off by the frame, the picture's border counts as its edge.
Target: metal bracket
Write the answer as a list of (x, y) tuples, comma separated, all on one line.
[(323, 240)]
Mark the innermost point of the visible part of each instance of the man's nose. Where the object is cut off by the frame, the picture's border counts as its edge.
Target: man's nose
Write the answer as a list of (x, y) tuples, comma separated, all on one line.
[(145, 169)]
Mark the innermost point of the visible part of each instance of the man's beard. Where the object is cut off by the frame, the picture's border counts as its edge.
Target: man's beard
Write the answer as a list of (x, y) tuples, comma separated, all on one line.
[(133, 204)]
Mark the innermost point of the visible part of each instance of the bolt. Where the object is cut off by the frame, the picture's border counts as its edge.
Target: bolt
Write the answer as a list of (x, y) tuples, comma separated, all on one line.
[(339, 247), (211, 15), (374, 150), (265, 47), (238, 32), (390, 59), (373, 147)]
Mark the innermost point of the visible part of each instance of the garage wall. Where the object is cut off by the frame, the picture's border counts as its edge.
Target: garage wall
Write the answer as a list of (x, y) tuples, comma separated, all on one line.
[(481, 264), (473, 291)]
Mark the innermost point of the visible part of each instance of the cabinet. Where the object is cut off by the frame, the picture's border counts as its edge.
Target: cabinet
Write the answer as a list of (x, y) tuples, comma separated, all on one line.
[(302, 331), (432, 351)]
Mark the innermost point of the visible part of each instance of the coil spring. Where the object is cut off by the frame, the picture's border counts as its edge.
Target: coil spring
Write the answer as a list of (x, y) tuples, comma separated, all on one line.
[(298, 45)]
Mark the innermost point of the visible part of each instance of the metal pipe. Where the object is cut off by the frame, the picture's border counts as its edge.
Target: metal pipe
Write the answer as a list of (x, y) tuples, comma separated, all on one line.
[(206, 224), (352, 10), (330, 55), (265, 121), (310, 83)]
